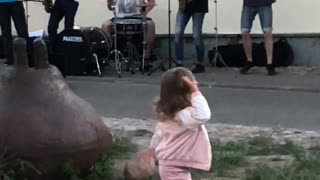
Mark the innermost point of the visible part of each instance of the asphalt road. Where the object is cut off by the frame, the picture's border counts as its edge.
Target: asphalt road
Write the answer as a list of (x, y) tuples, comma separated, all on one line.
[(268, 108)]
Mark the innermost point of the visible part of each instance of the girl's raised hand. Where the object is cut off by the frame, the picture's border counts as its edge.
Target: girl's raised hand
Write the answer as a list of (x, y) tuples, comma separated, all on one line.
[(192, 84)]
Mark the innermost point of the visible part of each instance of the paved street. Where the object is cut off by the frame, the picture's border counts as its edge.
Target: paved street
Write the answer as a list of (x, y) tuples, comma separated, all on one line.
[(252, 106)]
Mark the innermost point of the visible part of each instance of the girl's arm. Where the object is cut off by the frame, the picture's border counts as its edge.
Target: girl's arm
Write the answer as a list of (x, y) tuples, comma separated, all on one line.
[(156, 138), (197, 114)]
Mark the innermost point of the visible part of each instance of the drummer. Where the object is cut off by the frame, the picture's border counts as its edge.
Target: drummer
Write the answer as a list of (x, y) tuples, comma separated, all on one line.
[(129, 9)]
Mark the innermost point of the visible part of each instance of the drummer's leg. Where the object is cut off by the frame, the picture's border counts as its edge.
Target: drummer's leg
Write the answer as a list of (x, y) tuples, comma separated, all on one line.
[(107, 28), (150, 36)]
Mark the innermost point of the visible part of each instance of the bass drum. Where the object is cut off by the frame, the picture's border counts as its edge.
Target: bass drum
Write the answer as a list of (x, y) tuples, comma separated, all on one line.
[(100, 43), (71, 53)]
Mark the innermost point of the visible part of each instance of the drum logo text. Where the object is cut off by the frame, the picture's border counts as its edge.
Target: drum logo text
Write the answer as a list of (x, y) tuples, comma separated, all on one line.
[(72, 39)]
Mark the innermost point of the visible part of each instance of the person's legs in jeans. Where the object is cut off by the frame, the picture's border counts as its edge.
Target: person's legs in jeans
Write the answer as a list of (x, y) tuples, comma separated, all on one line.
[(265, 14), (181, 23), (19, 19), (20, 22), (70, 11), (247, 18), (5, 23), (197, 19), (56, 16)]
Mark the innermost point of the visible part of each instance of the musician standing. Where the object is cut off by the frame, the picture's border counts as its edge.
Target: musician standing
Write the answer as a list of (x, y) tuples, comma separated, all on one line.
[(197, 10), (250, 9), (62, 8), (15, 10)]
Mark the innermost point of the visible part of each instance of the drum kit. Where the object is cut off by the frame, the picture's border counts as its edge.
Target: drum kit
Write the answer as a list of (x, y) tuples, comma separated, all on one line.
[(128, 31), (128, 44)]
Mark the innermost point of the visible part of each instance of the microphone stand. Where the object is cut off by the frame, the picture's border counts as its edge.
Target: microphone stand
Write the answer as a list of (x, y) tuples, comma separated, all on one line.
[(217, 54), (170, 59), (27, 9)]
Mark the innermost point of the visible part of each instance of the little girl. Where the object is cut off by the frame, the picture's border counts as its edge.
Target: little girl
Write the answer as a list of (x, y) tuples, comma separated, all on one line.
[(180, 141)]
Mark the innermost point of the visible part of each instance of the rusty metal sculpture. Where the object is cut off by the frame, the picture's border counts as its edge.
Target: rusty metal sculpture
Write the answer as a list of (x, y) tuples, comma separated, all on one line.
[(42, 120)]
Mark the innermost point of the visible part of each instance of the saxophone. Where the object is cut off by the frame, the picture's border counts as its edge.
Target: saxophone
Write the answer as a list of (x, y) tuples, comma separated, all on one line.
[(48, 4)]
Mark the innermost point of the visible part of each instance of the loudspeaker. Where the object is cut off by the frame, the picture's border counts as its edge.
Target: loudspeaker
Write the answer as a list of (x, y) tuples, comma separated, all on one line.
[(234, 55)]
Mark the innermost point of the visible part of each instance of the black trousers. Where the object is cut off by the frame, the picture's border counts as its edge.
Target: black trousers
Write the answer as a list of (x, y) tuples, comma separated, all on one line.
[(62, 8), (14, 10)]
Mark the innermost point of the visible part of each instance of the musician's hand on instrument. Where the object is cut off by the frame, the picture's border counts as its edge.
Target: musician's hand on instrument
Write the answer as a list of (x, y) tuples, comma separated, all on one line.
[(48, 5), (110, 7)]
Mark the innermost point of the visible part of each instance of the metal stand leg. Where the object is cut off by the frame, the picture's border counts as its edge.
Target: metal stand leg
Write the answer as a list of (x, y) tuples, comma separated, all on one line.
[(117, 53), (144, 43), (97, 64), (217, 56), (169, 59), (132, 56)]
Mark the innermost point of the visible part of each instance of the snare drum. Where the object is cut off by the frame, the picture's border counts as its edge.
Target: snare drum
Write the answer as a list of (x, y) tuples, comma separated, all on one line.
[(129, 26)]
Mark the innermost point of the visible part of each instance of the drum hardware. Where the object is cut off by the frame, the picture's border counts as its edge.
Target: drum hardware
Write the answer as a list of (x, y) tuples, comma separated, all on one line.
[(217, 55), (130, 28), (118, 56), (133, 56), (170, 59), (99, 43), (129, 31), (144, 43), (143, 7), (97, 63), (27, 8)]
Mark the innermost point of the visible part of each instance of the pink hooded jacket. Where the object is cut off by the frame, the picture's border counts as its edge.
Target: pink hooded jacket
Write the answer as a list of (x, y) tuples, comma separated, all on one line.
[(184, 142)]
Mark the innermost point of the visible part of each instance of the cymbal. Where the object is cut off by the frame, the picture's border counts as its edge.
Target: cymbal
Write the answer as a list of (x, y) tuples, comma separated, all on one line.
[(146, 4)]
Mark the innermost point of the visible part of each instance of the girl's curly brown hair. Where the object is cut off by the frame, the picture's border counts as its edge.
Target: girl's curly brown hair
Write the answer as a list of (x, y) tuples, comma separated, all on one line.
[(175, 94)]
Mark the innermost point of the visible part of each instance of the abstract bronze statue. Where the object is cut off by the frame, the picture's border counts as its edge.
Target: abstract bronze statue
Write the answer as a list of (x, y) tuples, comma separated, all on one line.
[(42, 120)]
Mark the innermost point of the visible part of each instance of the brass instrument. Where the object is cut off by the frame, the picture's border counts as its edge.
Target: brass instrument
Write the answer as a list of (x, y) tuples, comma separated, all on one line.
[(48, 4)]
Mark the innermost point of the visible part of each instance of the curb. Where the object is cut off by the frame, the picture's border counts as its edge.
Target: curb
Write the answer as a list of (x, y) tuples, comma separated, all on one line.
[(203, 84), (274, 88)]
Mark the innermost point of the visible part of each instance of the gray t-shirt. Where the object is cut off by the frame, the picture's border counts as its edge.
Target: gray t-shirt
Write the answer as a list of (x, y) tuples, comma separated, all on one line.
[(258, 3), (127, 8)]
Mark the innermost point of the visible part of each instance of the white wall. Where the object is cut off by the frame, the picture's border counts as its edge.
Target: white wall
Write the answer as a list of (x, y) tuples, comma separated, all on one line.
[(290, 16)]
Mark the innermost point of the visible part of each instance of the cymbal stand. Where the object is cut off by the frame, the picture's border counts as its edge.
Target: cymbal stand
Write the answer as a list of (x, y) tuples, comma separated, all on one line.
[(144, 43), (27, 9), (217, 54), (27, 13), (117, 54), (169, 59)]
